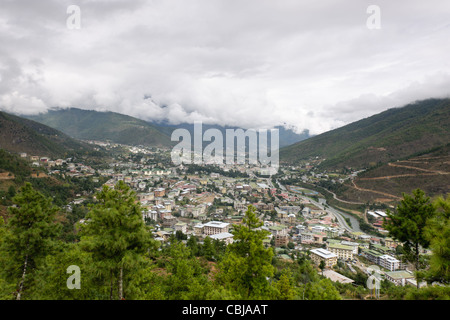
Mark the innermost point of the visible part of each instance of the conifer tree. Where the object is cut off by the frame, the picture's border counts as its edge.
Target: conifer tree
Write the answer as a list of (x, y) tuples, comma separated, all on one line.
[(437, 232), (247, 265), (115, 233), (408, 224), (30, 232)]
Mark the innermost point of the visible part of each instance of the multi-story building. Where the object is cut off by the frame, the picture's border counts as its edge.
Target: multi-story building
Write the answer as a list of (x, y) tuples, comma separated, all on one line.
[(342, 251), (181, 226), (399, 277), (389, 262), (278, 230), (215, 227), (307, 237), (290, 209), (372, 256), (281, 240), (224, 236), (390, 243), (150, 214), (160, 192), (198, 229), (328, 257), (169, 221), (354, 245)]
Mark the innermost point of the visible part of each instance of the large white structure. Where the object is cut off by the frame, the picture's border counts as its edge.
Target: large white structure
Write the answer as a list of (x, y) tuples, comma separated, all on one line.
[(224, 236), (328, 257), (389, 262), (215, 227)]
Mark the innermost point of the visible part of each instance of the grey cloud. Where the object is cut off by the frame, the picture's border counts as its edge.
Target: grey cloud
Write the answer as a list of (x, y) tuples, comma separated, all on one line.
[(254, 63)]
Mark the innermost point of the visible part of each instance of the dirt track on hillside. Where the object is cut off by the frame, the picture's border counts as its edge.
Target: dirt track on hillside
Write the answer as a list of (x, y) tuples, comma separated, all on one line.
[(373, 191), (399, 164)]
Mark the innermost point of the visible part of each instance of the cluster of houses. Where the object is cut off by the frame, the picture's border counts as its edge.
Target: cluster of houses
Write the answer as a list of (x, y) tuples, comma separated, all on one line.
[(393, 269), (56, 166), (174, 204)]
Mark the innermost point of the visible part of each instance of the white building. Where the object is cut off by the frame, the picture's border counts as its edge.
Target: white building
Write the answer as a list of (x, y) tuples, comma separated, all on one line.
[(215, 227), (389, 262), (181, 226), (224, 236), (354, 245), (328, 257), (381, 213)]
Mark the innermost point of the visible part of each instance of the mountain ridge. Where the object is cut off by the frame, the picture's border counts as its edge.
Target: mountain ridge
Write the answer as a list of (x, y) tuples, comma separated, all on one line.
[(390, 135), (120, 128), (18, 135)]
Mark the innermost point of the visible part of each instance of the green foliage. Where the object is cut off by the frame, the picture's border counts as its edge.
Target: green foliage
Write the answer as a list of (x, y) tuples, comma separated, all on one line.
[(246, 265), (428, 293), (321, 290), (38, 139), (408, 224), (12, 163), (285, 286), (115, 233), (30, 234), (187, 279), (437, 232), (117, 256), (411, 293), (51, 277), (89, 124)]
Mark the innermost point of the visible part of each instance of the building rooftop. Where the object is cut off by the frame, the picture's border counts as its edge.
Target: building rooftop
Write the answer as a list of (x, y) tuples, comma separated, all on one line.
[(389, 258), (399, 274), (337, 277), (340, 246), (323, 253), (221, 236), (372, 252), (277, 227), (381, 213), (216, 224)]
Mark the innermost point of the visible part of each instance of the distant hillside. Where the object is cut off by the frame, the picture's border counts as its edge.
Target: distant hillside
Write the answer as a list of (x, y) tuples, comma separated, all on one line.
[(393, 134), (23, 135), (286, 136), (94, 125)]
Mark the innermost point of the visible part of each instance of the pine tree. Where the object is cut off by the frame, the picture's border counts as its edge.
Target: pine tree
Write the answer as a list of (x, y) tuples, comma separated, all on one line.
[(186, 279), (408, 223), (322, 266), (246, 267), (30, 232), (208, 249), (437, 232), (115, 233), (285, 286)]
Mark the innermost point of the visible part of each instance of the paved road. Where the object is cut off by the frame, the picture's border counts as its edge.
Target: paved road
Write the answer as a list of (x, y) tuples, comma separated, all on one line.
[(337, 214)]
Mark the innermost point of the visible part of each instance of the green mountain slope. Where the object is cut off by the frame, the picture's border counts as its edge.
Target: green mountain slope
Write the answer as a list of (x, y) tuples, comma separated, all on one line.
[(94, 125), (23, 135), (393, 134)]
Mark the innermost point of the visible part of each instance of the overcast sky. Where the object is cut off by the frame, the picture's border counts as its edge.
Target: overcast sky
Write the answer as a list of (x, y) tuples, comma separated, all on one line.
[(252, 63)]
